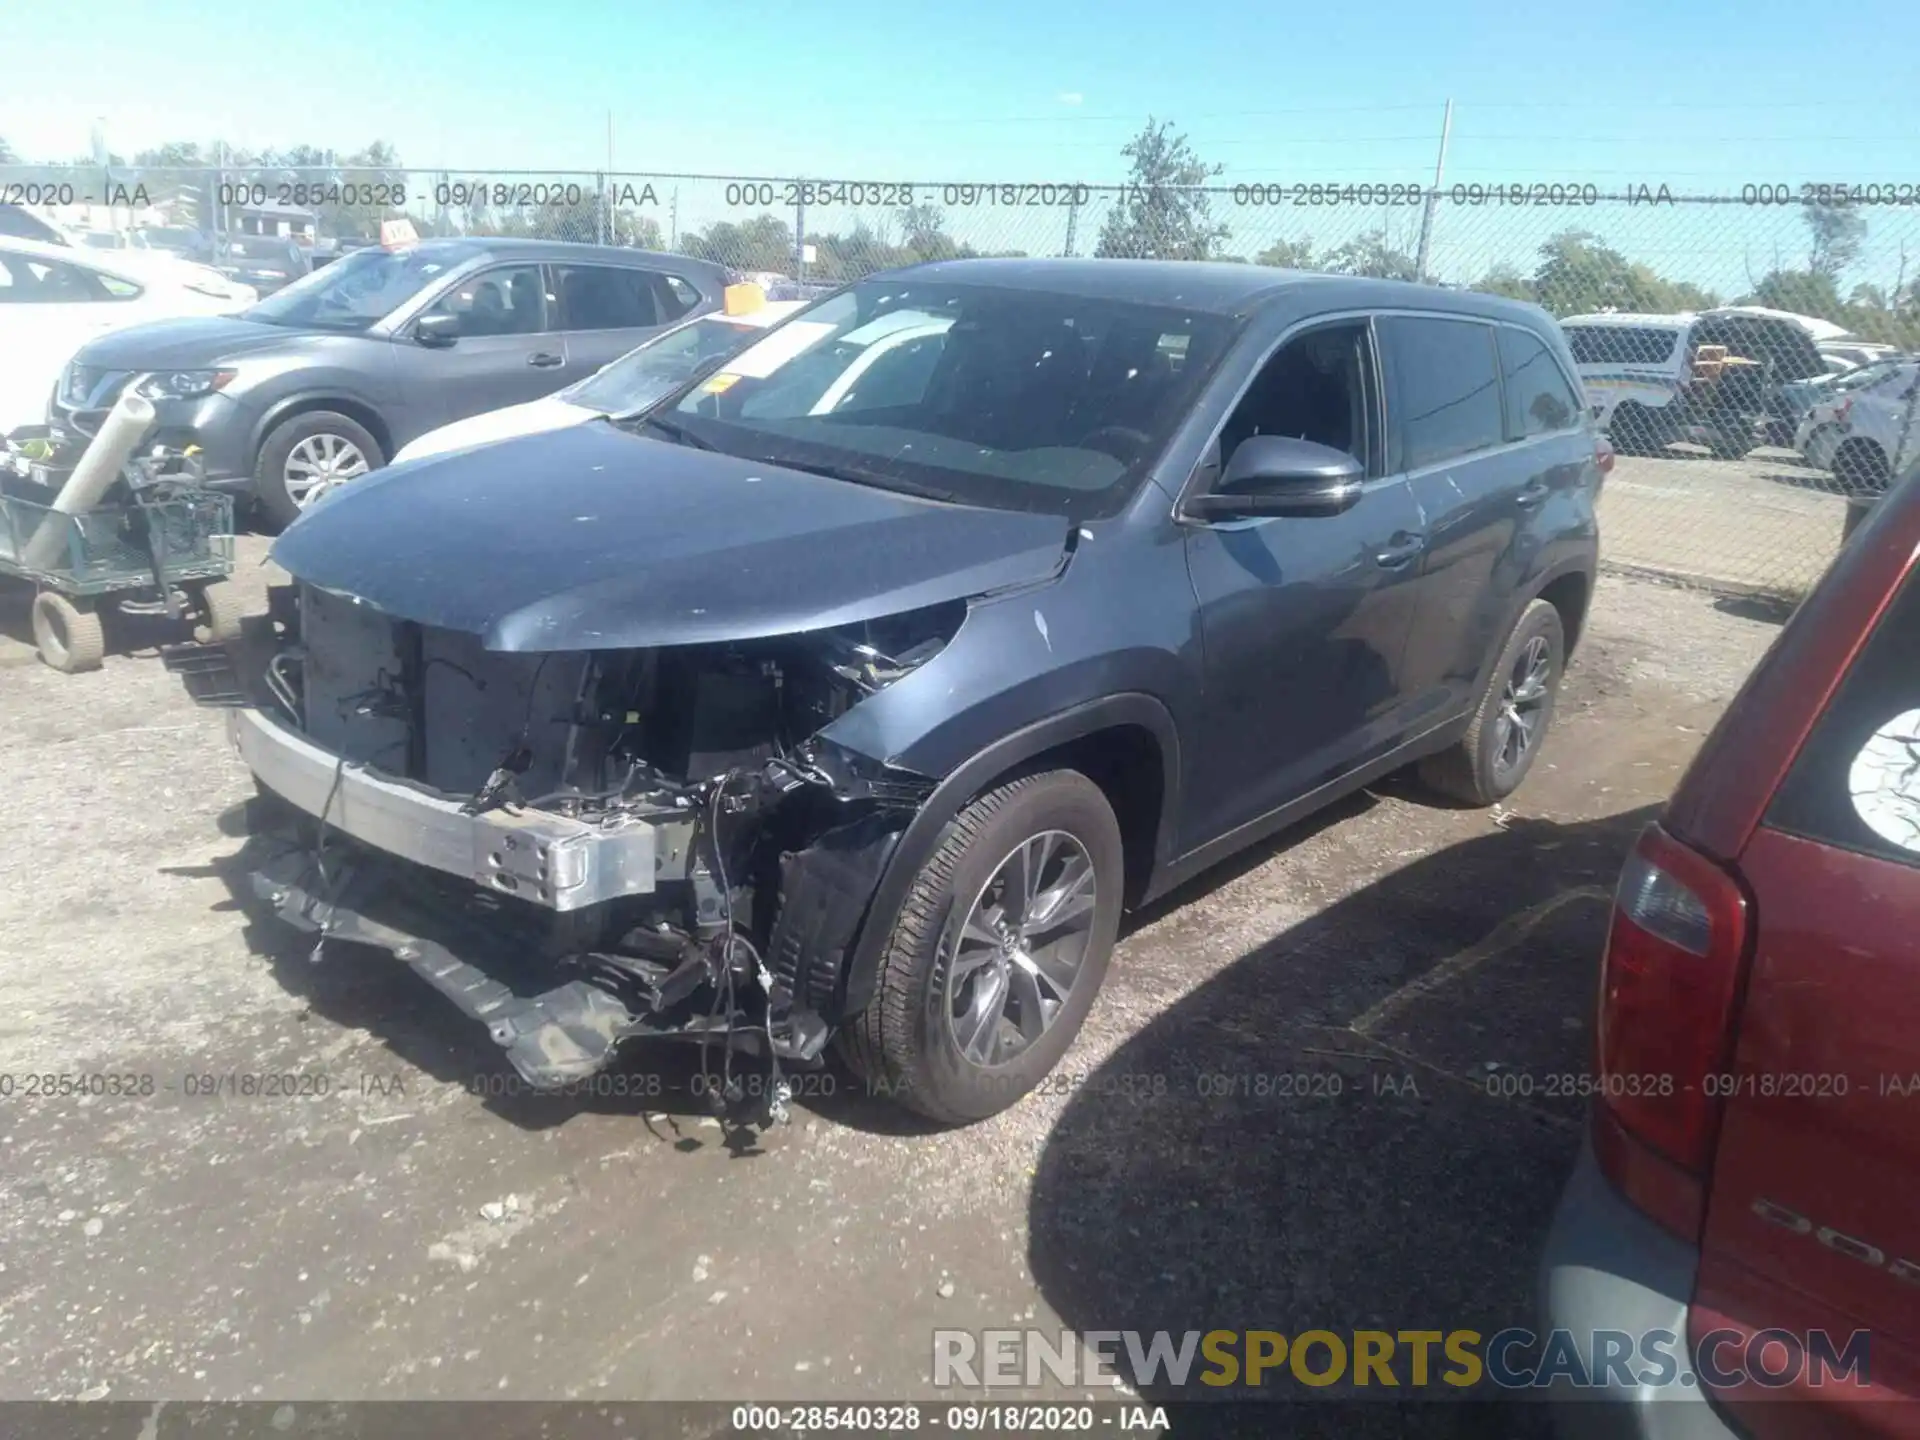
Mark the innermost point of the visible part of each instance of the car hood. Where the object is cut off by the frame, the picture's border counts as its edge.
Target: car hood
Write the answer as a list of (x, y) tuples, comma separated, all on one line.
[(530, 417), (186, 344), (592, 538)]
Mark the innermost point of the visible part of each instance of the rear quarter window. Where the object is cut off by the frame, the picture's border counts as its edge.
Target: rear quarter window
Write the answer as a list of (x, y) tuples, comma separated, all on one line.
[(1856, 782)]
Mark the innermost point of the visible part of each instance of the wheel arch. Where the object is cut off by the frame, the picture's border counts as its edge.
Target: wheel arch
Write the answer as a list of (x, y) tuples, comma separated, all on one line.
[(1125, 743)]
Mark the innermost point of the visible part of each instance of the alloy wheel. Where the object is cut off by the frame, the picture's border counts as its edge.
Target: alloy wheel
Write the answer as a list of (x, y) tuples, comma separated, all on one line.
[(1014, 960), (320, 463), (1522, 704)]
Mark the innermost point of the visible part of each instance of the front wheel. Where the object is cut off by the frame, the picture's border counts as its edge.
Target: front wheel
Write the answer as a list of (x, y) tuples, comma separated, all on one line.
[(1488, 763), (309, 456), (997, 952)]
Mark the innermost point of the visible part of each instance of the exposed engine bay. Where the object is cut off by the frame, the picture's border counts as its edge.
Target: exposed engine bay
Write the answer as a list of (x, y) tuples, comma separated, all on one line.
[(662, 835)]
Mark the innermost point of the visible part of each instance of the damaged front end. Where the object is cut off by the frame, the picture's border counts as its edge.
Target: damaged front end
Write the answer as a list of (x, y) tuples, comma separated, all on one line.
[(577, 847)]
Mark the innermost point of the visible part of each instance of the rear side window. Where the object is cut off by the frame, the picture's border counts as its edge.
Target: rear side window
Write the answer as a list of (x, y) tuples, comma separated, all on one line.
[(1621, 344), (1856, 782), (1445, 398), (1539, 400), (605, 297)]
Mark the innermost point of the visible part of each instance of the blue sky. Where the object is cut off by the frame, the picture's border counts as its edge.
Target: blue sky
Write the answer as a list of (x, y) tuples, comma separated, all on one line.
[(1701, 97)]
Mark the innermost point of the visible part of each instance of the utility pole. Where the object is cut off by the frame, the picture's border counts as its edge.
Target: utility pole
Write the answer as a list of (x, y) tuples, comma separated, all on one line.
[(1433, 200), (606, 216), (800, 233), (1073, 221), (673, 220)]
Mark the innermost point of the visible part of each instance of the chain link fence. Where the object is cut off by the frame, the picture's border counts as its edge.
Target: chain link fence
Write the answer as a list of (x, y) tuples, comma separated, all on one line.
[(1740, 437)]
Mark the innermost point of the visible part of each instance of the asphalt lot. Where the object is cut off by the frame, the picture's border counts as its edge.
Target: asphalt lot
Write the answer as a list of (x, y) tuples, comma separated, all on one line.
[(406, 1234), (1769, 523)]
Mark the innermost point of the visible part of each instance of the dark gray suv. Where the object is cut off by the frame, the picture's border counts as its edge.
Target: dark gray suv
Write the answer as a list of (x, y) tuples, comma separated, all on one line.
[(862, 684), (326, 379)]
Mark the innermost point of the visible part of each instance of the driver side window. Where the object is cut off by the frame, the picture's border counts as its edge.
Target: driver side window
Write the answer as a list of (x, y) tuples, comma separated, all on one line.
[(1315, 387), (506, 300)]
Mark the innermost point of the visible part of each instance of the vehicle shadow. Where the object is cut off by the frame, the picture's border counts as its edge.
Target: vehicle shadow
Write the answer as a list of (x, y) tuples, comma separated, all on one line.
[(1362, 1124)]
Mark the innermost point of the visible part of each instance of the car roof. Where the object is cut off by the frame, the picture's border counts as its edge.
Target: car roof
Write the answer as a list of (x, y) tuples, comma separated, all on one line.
[(1219, 287), (1677, 320), (563, 250)]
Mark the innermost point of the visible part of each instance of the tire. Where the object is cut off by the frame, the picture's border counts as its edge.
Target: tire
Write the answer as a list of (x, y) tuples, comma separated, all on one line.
[(1631, 429), (1861, 467), (1479, 768), (67, 633), (1732, 447), (223, 612), (328, 430), (908, 1043)]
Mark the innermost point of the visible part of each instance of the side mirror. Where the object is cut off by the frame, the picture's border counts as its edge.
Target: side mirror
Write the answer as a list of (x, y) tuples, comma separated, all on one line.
[(1278, 475), (436, 331)]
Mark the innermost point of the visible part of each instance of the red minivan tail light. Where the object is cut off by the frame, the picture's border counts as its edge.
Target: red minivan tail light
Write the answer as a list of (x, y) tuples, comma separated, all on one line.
[(1603, 454), (1667, 988)]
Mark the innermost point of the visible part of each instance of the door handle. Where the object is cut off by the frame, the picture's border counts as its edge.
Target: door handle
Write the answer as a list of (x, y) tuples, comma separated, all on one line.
[(1530, 495), (544, 360), (1401, 549)]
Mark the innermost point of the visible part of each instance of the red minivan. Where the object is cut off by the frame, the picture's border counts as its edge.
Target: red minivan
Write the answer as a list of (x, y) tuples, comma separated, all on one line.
[(1752, 1180)]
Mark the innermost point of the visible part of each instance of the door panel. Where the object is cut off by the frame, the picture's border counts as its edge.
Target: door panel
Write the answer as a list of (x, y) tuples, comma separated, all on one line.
[(1304, 620), (506, 352), (1304, 630), (1479, 494), (606, 310)]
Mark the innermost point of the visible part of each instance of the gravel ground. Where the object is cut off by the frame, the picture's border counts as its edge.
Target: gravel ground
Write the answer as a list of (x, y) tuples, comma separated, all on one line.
[(407, 1234)]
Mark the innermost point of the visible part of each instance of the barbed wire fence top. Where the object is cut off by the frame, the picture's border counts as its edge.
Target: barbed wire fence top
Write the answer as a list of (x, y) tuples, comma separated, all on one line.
[(1846, 255)]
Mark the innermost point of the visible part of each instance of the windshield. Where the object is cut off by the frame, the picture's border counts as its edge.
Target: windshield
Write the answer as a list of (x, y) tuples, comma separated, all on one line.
[(103, 240), (1016, 399), (361, 288), (260, 247), (660, 366)]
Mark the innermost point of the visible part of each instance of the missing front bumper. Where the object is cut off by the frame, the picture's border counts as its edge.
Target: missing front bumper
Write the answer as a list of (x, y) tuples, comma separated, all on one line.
[(560, 863)]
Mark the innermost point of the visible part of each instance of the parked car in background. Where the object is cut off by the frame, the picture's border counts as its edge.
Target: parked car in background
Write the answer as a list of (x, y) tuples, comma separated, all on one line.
[(267, 262), (1866, 431), (22, 224), (1707, 378), (1796, 400), (1753, 1157), (328, 378), (955, 615), (627, 386), (54, 299)]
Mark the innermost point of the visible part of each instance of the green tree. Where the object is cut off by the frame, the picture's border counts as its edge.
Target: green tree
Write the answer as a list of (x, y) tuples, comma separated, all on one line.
[(1507, 280), (8, 155), (1370, 254), (1579, 273), (763, 243), (1837, 233), (1163, 211), (1289, 254), (1804, 292)]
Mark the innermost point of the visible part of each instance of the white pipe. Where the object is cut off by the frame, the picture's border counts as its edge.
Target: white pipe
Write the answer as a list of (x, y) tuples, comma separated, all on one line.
[(126, 424)]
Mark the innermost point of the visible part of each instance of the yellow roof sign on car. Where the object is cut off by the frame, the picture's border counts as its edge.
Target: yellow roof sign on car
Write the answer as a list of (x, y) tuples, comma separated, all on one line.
[(743, 299), (396, 233)]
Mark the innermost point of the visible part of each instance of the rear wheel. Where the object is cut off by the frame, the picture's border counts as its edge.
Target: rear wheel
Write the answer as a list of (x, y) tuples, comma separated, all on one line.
[(1488, 763), (1631, 431), (308, 456), (1861, 467), (67, 633), (997, 952)]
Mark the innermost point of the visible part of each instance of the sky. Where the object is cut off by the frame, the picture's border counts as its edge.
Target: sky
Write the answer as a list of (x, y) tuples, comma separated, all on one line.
[(1703, 98)]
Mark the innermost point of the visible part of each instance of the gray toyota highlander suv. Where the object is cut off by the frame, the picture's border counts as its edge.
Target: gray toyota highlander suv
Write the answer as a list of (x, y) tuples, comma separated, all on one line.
[(326, 379), (859, 686)]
